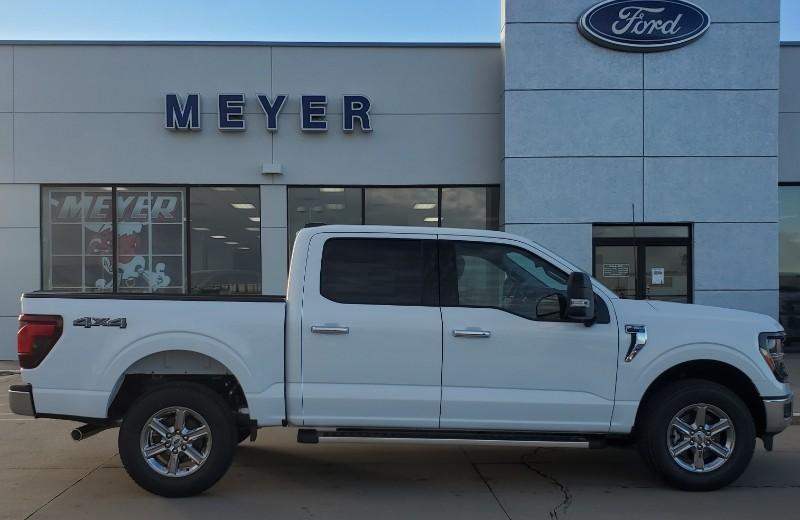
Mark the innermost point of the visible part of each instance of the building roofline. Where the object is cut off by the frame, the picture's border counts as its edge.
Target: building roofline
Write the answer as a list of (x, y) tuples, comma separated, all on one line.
[(203, 43), (229, 43)]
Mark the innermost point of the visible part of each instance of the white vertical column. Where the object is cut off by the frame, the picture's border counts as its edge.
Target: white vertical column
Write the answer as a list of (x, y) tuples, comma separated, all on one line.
[(274, 249), (20, 256)]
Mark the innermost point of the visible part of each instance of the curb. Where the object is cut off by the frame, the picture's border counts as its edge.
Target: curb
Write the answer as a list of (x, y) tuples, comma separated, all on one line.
[(796, 419)]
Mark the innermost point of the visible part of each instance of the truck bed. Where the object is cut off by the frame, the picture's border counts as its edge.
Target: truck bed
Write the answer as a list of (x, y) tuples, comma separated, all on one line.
[(107, 335)]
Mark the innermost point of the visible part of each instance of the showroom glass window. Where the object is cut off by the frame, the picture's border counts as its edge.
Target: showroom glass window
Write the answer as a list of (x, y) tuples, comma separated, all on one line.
[(471, 207), (77, 239), (135, 239), (401, 207), (225, 240), (789, 264), (322, 205), (475, 207)]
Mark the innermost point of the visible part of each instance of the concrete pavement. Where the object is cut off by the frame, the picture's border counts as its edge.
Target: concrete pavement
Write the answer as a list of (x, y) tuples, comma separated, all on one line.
[(44, 474), (8, 366)]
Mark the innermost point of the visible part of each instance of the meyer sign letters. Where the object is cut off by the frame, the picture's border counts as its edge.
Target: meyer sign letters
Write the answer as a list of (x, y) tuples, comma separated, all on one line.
[(183, 113), (643, 25)]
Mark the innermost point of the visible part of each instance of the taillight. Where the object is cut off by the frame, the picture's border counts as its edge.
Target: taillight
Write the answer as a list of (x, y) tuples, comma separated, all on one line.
[(36, 336)]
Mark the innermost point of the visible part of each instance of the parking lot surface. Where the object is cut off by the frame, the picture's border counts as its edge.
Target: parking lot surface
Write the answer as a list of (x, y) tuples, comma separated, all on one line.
[(44, 474)]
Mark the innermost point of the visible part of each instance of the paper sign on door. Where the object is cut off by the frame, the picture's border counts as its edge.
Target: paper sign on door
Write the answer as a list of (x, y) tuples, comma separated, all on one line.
[(657, 276), (616, 270)]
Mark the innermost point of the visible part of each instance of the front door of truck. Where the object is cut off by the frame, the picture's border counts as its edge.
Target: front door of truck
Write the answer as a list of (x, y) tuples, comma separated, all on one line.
[(371, 331), (510, 361)]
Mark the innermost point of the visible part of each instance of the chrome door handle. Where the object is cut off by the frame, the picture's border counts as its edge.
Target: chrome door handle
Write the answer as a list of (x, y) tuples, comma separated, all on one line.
[(317, 329), (471, 333)]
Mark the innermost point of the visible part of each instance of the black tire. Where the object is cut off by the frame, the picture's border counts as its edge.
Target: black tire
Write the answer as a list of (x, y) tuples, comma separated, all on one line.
[(243, 433), (654, 423), (217, 415)]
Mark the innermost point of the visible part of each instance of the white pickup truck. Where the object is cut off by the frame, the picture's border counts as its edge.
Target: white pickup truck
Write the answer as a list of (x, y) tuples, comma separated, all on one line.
[(392, 334)]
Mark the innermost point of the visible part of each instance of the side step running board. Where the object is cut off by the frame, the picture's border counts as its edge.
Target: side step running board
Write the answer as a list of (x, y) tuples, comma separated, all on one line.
[(449, 437)]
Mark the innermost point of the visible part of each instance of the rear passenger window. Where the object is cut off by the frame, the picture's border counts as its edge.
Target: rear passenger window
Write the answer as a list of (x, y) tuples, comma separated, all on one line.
[(379, 271)]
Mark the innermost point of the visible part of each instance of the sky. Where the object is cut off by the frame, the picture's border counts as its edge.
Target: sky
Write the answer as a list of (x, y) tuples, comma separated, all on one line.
[(271, 20)]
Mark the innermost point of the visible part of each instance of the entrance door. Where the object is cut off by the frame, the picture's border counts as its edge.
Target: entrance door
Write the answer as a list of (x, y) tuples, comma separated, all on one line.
[(645, 262)]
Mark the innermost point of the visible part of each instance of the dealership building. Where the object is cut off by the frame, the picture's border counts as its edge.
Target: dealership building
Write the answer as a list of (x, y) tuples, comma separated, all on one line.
[(187, 168)]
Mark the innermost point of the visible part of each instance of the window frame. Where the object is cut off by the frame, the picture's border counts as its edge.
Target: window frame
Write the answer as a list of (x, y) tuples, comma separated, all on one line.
[(187, 218), (431, 296), (448, 278)]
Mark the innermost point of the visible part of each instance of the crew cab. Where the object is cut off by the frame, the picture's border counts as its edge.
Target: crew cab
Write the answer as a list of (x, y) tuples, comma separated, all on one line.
[(412, 335)]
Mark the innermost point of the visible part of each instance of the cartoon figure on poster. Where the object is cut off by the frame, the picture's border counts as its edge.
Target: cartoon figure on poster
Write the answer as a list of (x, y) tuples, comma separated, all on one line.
[(132, 266), (98, 242)]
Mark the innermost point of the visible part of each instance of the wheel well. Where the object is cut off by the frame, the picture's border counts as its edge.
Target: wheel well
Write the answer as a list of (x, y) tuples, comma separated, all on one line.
[(169, 366), (135, 385), (718, 372)]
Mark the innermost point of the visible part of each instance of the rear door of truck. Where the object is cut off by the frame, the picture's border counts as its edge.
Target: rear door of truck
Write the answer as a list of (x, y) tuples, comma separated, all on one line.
[(371, 331)]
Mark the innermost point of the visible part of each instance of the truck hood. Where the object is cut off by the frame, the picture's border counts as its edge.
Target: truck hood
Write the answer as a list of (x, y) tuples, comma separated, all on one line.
[(682, 311)]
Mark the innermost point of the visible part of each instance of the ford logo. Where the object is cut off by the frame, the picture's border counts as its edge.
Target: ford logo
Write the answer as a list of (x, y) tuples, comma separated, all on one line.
[(643, 25)]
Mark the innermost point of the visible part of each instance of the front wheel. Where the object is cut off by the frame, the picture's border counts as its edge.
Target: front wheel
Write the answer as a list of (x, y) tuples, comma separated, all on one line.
[(178, 440), (698, 435)]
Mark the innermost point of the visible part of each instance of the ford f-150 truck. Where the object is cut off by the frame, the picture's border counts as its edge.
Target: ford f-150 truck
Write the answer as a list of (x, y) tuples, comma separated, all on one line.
[(420, 335)]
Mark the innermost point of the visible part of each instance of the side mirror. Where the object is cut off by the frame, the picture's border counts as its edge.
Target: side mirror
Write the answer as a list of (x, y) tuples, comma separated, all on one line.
[(580, 297)]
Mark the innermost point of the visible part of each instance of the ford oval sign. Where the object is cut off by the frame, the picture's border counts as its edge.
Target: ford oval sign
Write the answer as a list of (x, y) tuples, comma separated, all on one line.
[(643, 25)]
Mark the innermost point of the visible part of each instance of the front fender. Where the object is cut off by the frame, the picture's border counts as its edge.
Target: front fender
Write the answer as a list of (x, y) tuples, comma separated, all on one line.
[(635, 377), (650, 367)]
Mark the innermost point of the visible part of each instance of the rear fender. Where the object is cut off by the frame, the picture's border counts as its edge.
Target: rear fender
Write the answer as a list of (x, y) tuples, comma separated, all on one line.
[(114, 373)]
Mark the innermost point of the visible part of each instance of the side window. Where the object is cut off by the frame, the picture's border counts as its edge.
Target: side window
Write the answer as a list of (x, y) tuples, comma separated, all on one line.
[(379, 271), (476, 274)]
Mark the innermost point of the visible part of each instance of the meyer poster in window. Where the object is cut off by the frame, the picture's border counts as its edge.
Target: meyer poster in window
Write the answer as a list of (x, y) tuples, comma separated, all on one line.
[(78, 237)]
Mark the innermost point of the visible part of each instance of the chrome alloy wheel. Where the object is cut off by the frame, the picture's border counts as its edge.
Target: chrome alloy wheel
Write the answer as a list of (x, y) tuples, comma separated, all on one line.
[(700, 438), (175, 441)]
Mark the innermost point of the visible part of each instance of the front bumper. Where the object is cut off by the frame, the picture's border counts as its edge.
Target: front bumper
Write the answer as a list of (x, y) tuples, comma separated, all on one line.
[(778, 412), (20, 400)]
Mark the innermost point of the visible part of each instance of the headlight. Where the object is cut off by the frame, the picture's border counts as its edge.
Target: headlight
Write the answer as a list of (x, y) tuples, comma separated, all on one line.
[(771, 346)]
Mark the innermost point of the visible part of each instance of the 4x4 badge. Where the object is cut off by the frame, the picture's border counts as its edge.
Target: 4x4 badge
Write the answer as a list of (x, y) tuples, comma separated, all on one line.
[(88, 322)]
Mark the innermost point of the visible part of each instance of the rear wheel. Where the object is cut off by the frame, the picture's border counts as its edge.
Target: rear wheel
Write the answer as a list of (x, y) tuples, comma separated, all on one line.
[(698, 435), (178, 440)]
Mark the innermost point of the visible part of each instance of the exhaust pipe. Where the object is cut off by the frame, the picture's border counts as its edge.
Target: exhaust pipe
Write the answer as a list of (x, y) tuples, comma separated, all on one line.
[(86, 431)]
